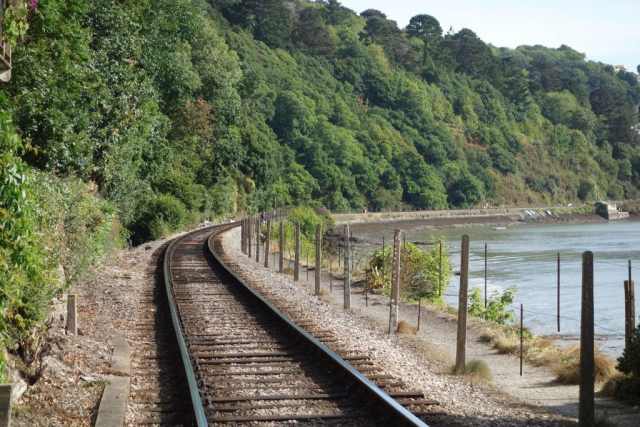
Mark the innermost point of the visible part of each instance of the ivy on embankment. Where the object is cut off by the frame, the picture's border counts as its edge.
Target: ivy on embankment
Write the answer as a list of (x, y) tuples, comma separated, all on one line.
[(52, 231)]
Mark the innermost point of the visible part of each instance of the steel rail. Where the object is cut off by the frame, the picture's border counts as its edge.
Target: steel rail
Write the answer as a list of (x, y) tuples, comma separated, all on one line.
[(398, 415), (194, 392)]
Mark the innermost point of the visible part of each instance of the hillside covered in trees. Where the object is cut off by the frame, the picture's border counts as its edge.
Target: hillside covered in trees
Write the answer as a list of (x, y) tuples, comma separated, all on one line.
[(180, 109), (134, 118)]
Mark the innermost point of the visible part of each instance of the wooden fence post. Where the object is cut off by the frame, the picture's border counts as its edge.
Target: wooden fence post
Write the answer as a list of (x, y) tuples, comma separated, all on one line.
[(440, 272), (318, 257), (485, 276), (366, 288), (586, 411), (72, 315), (281, 254), (258, 224), (242, 236), (347, 277), (632, 307), (330, 274), (632, 303), (296, 264), (352, 254), (266, 244), (383, 259), (629, 312), (627, 316), (558, 291), (462, 305), (403, 262), (249, 232), (521, 335), (395, 283)]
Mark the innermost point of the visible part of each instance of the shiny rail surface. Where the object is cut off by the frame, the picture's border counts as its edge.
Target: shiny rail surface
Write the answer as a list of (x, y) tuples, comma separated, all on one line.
[(247, 362)]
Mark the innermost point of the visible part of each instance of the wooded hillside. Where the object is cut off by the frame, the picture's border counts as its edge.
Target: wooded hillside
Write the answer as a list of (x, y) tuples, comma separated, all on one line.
[(186, 108)]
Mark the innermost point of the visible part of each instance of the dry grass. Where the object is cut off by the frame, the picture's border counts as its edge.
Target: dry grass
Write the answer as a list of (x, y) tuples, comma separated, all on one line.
[(564, 362), (568, 369), (476, 369), (406, 329), (288, 271), (324, 294)]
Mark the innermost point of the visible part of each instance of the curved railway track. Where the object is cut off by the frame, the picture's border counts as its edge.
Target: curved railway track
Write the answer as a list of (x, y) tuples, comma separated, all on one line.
[(246, 362)]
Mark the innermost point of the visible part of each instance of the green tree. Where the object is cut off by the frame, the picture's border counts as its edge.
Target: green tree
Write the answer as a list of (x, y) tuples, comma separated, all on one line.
[(270, 21), (311, 34), (428, 29)]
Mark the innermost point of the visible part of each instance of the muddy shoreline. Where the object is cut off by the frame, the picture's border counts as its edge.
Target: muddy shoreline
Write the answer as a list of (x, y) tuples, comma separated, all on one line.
[(375, 228)]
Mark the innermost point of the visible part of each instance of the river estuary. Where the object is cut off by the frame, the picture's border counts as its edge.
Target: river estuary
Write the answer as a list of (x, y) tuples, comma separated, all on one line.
[(526, 256)]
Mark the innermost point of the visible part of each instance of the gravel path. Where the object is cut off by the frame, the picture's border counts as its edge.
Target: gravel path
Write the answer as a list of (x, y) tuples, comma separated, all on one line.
[(438, 329), (467, 403)]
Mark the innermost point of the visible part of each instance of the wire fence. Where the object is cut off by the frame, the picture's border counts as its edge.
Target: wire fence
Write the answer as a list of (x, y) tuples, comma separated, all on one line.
[(555, 316), (361, 249), (628, 267)]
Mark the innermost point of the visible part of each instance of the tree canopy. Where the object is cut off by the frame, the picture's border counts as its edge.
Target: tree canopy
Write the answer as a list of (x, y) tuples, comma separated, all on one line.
[(204, 108)]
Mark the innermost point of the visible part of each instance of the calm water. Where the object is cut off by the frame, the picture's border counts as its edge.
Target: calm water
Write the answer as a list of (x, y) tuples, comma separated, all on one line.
[(527, 257)]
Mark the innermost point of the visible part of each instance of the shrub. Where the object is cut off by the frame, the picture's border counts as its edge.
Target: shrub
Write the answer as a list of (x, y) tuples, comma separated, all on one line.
[(160, 215), (309, 219), (420, 268), (496, 310), (628, 387), (224, 197), (70, 213), (193, 196), (23, 263), (46, 222)]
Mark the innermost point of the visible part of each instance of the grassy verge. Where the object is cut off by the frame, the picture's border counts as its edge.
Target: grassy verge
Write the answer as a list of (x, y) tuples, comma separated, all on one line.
[(540, 351), (475, 369)]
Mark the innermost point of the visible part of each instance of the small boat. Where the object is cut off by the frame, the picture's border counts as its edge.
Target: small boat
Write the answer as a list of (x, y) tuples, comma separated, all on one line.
[(499, 228)]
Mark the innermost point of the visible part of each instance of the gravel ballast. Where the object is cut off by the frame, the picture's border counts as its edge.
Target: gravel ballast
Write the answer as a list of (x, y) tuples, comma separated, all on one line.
[(465, 402)]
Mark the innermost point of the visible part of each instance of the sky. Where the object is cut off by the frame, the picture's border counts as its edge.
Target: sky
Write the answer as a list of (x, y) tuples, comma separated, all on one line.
[(605, 30)]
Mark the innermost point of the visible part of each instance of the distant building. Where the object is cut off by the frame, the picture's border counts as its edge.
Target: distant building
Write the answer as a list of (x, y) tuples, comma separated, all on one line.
[(611, 211), (618, 68)]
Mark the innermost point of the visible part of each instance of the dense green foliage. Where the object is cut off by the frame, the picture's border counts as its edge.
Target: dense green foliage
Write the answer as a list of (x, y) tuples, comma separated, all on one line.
[(309, 220), (185, 109), (628, 387), (419, 271), (497, 310), (52, 230)]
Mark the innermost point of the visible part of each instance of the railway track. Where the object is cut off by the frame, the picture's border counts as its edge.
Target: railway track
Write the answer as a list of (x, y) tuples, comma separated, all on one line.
[(245, 362)]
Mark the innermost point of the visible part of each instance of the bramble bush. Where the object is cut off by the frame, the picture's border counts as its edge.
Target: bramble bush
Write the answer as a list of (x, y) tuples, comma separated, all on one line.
[(496, 310), (420, 267)]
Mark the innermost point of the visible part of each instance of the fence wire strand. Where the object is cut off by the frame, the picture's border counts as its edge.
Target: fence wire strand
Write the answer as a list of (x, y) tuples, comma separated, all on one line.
[(616, 333)]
